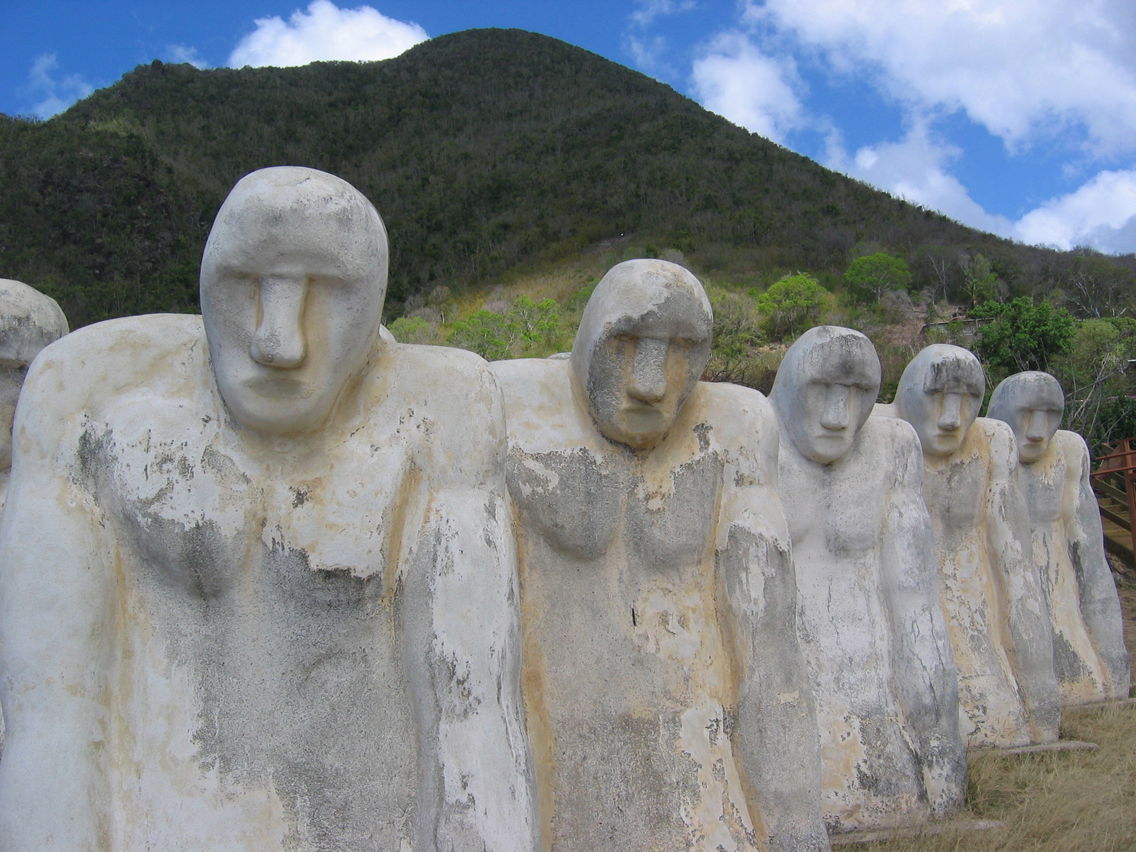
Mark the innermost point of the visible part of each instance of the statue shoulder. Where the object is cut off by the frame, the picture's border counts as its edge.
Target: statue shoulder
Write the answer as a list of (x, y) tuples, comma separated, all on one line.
[(735, 412), (997, 439), (442, 376), (91, 367), (891, 449), (1071, 447), (525, 379)]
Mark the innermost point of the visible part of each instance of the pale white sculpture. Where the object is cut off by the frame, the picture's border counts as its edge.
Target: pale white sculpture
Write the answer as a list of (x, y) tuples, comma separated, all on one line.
[(258, 584), (871, 627), (667, 700), (990, 591), (29, 321), (1089, 656)]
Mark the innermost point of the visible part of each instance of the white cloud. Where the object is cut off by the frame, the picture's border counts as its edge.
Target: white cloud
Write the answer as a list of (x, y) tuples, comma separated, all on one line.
[(646, 11), (916, 169), (1018, 67), (647, 53), (1100, 214), (53, 92), (735, 79), (185, 53), (325, 32)]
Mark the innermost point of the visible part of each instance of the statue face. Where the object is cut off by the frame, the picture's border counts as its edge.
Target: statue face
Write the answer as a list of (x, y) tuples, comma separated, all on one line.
[(292, 287), (825, 390), (640, 357), (940, 394), (1032, 404)]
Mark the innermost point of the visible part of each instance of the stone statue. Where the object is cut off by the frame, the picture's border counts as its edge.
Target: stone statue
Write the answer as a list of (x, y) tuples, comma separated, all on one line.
[(991, 593), (666, 695), (258, 584), (1068, 545), (29, 321), (872, 631)]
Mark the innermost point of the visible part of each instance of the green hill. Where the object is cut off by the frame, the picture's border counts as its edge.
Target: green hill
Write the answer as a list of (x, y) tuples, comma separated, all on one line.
[(485, 151)]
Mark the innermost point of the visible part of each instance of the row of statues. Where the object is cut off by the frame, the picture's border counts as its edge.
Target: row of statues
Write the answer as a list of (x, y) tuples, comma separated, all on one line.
[(271, 580)]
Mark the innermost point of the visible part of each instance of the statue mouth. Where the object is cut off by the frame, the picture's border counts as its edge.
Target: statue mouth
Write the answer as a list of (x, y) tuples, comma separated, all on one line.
[(278, 387)]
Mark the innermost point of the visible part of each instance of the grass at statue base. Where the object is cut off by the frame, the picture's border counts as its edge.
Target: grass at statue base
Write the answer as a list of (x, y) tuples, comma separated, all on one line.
[(1054, 801)]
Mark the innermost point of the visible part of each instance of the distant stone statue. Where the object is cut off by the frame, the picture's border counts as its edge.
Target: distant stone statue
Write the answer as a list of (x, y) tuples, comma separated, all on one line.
[(1089, 656), (878, 655), (258, 581), (29, 321), (667, 700), (990, 591)]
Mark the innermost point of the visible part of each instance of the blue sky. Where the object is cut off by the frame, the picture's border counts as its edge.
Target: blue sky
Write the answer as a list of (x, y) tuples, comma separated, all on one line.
[(1013, 116)]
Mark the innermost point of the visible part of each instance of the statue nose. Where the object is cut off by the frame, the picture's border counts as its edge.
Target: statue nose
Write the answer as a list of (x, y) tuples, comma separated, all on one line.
[(1036, 424), (950, 418), (279, 338), (649, 371), (835, 415)]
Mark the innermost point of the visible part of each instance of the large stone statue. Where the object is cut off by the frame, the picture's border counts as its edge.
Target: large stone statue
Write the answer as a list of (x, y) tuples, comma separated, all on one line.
[(667, 700), (878, 655), (258, 588), (991, 592), (29, 321), (1068, 546)]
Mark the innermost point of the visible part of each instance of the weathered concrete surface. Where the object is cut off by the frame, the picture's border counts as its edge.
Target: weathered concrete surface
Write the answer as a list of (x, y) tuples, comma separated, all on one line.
[(666, 695), (29, 321), (990, 590), (871, 626), (1090, 659), (258, 586)]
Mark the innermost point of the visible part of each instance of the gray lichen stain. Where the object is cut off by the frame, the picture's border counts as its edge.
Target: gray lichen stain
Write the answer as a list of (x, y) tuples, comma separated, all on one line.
[(1067, 663), (298, 682)]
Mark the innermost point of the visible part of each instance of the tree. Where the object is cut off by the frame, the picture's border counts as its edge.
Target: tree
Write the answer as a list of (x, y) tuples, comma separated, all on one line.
[(736, 338), (791, 305), (869, 277), (980, 281), (1092, 373), (529, 328), (1022, 335)]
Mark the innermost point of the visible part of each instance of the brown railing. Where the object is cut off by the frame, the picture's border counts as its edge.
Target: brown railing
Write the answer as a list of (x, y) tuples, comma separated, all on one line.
[(1114, 482)]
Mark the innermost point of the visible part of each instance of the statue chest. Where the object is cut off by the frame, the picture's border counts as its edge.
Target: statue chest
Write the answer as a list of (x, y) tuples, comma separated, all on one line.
[(581, 505), (202, 511)]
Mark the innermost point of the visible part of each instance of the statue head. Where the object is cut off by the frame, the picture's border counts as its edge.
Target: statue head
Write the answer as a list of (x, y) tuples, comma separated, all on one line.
[(1032, 404), (825, 389), (939, 394), (643, 342), (29, 321), (292, 285)]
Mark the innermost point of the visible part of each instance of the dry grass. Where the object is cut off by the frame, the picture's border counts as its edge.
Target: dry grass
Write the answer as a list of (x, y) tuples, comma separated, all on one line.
[(1075, 801)]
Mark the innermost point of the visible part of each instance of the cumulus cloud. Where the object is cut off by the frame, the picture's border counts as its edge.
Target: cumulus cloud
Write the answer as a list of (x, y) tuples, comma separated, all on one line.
[(53, 91), (648, 52), (1017, 67), (1100, 214), (185, 53), (916, 168), (646, 11), (735, 79), (325, 32)]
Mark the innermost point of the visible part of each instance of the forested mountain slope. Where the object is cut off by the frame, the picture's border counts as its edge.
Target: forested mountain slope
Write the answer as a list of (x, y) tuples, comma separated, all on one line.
[(484, 151)]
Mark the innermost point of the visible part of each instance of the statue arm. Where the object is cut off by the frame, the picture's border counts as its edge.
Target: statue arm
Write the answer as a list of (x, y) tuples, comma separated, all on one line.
[(462, 637), (775, 735), (57, 617), (924, 678), (1026, 621), (1100, 603)]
